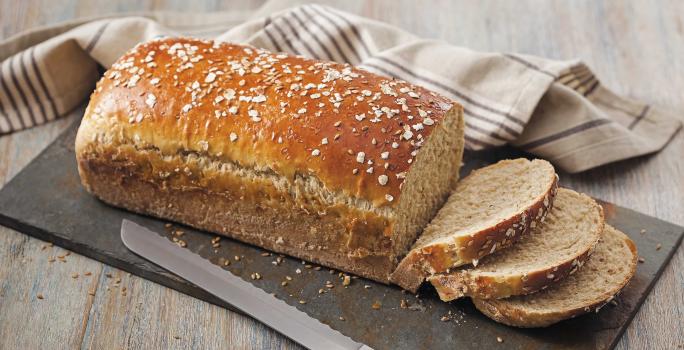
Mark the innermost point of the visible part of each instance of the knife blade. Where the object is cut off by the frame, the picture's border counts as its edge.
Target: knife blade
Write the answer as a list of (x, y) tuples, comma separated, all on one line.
[(253, 301)]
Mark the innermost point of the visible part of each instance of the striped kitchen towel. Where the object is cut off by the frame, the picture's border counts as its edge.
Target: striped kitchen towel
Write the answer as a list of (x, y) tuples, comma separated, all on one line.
[(557, 110)]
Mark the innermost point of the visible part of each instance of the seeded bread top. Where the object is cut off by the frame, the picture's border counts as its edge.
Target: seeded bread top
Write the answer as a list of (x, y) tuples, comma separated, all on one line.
[(356, 132)]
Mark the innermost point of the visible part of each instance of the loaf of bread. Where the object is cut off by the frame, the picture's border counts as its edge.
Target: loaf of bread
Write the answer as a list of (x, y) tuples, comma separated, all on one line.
[(312, 159)]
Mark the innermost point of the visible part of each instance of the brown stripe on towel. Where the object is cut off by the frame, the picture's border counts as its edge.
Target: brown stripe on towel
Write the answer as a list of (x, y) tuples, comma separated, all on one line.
[(341, 57), (351, 25), (585, 82), (284, 37), (20, 91), (39, 74), (328, 54), (528, 64), (295, 33), (577, 69), (638, 118), (592, 88), (565, 133), (5, 123), (29, 83), (270, 37), (573, 80), (324, 14), (96, 37), (474, 144), (19, 125)]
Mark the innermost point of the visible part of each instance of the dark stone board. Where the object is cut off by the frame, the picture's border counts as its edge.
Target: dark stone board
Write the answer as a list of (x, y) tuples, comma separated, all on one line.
[(47, 201)]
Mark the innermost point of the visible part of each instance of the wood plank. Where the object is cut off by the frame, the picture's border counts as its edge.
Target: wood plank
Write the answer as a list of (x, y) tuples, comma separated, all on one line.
[(27, 275), (146, 315)]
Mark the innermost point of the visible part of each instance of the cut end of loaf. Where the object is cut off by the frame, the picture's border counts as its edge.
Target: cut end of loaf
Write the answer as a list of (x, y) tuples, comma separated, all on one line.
[(430, 180), (488, 210), (551, 251), (610, 267)]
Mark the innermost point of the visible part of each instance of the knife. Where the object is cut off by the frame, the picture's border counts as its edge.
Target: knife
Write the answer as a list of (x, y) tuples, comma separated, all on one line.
[(251, 300)]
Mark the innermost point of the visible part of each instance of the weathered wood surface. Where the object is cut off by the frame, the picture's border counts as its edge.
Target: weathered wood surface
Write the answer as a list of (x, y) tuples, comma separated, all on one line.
[(637, 48)]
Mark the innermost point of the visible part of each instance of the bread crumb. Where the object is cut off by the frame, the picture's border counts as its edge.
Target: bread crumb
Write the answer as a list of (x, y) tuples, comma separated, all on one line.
[(346, 281), (40, 296), (74, 275), (376, 305), (658, 246), (499, 339)]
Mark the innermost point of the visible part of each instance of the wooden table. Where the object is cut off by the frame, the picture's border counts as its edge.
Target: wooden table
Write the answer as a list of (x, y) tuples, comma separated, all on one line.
[(637, 48)]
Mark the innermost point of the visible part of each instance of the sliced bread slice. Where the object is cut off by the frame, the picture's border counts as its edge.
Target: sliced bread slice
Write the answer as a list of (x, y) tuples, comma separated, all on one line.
[(550, 252), (488, 210), (611, 266)]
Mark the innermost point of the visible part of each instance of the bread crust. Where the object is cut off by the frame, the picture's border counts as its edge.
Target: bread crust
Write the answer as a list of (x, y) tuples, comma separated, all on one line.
[(462, 283), (179, 112), (421, 263), (501, 312)]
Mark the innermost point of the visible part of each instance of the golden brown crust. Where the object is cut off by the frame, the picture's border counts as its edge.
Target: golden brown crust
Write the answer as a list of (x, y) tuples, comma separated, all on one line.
[(421, 263), (303, 116), (458, 284), (499, 311)]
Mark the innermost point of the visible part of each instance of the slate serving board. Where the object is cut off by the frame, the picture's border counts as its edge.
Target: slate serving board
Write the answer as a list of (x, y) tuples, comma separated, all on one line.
[(47, 201)]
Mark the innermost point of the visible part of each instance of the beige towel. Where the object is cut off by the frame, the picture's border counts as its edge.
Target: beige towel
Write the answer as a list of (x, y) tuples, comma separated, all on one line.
[(557, 110)]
